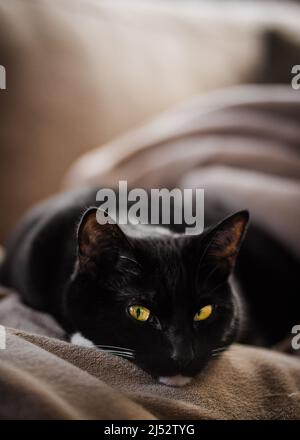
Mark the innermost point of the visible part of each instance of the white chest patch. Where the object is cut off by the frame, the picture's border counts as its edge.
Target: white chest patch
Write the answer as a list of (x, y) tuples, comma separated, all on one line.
[(78, 339), (175, 381)]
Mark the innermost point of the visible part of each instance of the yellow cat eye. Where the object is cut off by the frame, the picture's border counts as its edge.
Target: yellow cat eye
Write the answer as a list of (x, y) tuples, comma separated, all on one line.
[(204, 313), (139, 313)]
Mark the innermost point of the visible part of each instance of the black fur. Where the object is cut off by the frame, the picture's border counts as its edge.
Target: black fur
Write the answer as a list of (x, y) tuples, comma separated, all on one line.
[(87, 276)]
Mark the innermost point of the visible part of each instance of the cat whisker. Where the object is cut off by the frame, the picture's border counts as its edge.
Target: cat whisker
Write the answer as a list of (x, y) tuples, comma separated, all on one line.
[(113, 347), (217, 350), (130, 259), (118, 353), (123, 356), (125, 353)]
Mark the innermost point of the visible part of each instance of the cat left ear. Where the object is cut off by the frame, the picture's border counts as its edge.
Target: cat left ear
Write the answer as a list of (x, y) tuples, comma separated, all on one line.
[(225, 240), (99, 237)]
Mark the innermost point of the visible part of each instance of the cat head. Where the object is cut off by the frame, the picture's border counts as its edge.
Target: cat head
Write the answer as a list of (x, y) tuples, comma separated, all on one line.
[(164, 298)]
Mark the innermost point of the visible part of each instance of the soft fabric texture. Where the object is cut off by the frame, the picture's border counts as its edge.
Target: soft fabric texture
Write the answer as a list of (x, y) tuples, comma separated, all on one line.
[(42, 377), (81, 72)]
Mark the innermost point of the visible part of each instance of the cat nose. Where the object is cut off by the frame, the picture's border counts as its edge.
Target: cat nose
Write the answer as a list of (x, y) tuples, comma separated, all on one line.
[(182, 355)]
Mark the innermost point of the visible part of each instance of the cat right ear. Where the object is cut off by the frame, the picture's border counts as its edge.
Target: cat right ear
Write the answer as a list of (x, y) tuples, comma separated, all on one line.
[(225, 240), (219, 247), (99, 237)]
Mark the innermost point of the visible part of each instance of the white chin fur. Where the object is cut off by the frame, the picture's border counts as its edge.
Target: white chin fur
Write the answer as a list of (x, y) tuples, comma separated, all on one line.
[(78, 339), (175, 381)]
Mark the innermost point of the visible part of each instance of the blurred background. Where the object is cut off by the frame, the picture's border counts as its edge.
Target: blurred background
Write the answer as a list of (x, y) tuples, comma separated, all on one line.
[(82, 73)]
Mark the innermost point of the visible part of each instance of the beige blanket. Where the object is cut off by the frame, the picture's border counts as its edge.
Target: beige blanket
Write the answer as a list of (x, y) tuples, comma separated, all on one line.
[(43, 377)]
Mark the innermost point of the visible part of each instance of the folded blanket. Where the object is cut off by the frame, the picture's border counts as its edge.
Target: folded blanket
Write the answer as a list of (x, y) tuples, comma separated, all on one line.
[(43, 377)]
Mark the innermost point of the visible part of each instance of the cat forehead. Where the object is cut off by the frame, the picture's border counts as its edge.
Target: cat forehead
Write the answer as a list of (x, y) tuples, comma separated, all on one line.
[(163, 267)]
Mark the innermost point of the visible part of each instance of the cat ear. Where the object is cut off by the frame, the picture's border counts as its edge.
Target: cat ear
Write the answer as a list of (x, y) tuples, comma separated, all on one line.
[(224, 242), (99, 237)]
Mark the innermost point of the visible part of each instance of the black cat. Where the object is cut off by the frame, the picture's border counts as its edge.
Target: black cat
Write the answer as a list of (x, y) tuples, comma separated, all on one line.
[(165, 300)]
